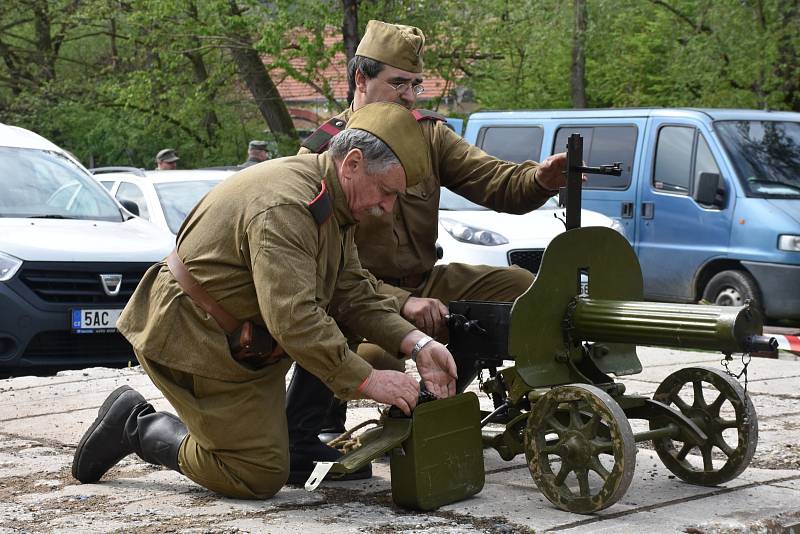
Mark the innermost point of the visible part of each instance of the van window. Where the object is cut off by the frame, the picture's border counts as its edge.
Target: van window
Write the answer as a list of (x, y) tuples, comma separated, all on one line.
[(512, 143), (682, 154), (132, 192), (603, 145), (704, 161), (673, 159), (765, 154)]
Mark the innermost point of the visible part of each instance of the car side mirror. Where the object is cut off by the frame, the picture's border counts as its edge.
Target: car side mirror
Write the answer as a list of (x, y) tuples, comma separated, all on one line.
[(708, 190), (131, 206)]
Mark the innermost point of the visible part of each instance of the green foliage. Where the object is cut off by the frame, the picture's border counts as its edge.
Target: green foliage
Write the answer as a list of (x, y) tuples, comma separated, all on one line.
[(114, 81)]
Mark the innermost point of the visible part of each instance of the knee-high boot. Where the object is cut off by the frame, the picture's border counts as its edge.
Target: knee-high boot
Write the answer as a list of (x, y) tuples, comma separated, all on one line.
[(307, 403), (127, 423)]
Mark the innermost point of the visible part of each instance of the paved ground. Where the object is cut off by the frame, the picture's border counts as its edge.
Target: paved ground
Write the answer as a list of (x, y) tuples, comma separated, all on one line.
[(42, 419)]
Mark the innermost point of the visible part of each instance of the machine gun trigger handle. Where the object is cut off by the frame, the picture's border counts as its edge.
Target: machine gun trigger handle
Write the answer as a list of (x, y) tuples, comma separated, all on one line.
[(459, 323)]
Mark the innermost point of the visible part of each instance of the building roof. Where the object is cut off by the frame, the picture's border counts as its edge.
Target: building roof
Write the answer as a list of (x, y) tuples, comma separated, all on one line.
[(293, 91)]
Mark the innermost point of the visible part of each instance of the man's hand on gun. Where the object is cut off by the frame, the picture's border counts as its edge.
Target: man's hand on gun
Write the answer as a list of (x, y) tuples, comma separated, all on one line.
[(426, 314), (436, 368), (552, 172), (391, 387)]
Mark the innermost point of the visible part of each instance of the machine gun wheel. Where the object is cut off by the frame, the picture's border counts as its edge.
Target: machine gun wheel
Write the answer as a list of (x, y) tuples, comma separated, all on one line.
[(580, 448), (729, 421)]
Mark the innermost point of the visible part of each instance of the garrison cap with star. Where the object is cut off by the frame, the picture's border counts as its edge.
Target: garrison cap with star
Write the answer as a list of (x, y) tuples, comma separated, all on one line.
[(168, 154), (393, 44), (396, 126), (255, 144)]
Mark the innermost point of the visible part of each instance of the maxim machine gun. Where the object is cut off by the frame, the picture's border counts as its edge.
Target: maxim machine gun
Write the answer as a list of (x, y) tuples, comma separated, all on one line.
[(560, 403)]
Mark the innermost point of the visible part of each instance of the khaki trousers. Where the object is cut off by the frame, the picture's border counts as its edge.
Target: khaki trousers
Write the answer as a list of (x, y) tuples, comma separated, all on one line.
[(238, 444), (457, 281)]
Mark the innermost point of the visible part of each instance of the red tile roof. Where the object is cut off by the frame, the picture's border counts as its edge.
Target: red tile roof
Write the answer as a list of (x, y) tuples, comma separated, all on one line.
[(294, 92)]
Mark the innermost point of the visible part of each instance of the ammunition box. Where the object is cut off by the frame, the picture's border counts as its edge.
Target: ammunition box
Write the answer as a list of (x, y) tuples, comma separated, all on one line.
[(442, 460)]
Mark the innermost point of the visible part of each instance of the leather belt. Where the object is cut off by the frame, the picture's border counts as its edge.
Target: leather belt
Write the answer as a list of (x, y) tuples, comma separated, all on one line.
[(200, 296), (240, 333), (411, 280)]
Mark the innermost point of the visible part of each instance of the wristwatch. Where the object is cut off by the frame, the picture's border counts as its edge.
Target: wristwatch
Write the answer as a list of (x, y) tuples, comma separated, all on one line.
[(419, 345)]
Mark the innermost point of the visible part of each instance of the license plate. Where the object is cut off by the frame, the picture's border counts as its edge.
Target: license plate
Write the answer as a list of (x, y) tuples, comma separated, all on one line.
[(95, 321)]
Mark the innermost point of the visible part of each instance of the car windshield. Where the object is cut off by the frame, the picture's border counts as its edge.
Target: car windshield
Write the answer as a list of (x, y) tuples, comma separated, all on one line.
[(765, 154), (178, 198), (46, 184), (449, 201)]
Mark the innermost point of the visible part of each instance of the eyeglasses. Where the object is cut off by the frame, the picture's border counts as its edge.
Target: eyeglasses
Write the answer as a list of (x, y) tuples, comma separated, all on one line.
[(401, 88)]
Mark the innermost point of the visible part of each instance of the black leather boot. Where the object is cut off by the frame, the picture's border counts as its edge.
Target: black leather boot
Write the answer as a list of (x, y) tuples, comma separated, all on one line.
[(307, 403), (335, 418), (127, 423)]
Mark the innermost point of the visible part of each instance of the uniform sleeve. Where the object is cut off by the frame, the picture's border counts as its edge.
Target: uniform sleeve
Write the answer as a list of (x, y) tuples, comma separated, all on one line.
[(303, 150), (400, 294), (488, 181), (285, 277), (364, 309)]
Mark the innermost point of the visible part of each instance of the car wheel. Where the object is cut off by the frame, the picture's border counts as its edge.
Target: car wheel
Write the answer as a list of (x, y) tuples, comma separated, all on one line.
[(732, 288)]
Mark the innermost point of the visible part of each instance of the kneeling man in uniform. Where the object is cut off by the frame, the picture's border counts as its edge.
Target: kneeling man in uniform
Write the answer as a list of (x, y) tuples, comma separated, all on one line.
[(270, 249)]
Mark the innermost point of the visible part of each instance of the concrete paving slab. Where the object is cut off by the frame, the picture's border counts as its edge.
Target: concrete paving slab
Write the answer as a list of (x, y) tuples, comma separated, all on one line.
[(42, 418)]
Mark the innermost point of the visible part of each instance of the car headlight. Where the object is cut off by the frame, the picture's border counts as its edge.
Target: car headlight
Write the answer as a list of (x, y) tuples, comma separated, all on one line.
[(789, 242), (9, 265), (471, 234)]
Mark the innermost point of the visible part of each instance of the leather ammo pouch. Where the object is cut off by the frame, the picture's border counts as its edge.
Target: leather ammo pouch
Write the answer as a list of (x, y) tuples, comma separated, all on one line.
[(249, 343)]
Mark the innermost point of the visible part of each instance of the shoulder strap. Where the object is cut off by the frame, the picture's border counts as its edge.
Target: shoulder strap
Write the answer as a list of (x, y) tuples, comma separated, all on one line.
[(426, 114), (321, 207), (199, 295), (318, 141)]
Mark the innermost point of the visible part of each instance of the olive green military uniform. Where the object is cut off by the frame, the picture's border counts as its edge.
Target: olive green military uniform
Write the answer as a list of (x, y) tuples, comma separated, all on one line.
[(400, 249), (254, 245)]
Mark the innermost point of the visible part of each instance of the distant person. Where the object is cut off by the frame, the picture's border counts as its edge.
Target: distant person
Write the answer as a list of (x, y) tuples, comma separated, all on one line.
[(167, 160), (256, 153)]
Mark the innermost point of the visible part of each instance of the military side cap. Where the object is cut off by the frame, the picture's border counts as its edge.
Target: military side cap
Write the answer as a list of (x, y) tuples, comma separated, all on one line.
[(396, 126), (257, 145), (168, 154), (393, 44)]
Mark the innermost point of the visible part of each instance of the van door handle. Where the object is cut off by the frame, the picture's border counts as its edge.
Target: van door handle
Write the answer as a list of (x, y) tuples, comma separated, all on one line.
[(627, 210), (648, 210)]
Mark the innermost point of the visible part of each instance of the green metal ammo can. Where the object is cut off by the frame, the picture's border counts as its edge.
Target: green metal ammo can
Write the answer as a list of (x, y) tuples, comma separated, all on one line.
[(442, 460)]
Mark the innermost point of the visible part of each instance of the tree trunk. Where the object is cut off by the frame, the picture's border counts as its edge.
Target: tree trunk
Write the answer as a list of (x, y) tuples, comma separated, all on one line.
[(787, 68), (44, 44), (210, 120), (578, 71), (351, 38), (269, 101), (270, 104)]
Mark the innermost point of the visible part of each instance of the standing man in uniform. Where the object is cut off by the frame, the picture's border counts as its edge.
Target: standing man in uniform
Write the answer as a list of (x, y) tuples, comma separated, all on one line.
[(399, 248), (167, 160), (273, 245), (256, 153)]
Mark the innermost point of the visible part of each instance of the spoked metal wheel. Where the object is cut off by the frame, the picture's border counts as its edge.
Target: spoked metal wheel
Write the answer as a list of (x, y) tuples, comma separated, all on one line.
[(580, 448), (717, 403)]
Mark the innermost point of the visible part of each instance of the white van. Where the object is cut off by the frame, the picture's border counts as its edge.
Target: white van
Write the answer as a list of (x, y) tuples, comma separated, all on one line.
[(70, 257)]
